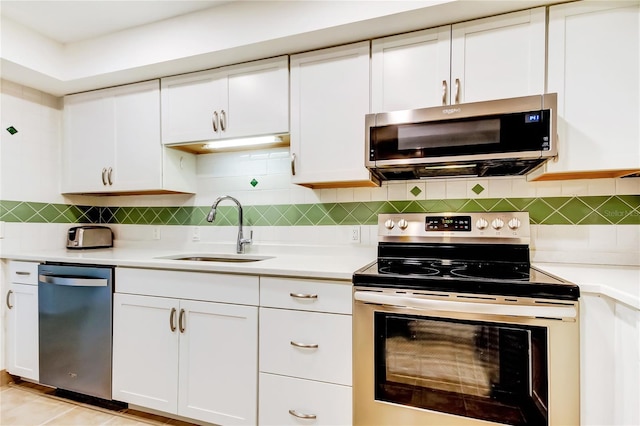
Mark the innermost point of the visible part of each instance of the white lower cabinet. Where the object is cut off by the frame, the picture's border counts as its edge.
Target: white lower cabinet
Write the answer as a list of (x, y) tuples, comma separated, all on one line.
[(192, 358), (22, 320), (610, 362), (293, 401), (305, 352)]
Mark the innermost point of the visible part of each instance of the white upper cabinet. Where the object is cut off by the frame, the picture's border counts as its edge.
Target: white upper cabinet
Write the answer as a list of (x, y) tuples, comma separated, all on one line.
[(411, 71), (594, 49), (329, 100), (491, 58), (237, 101), (112, 144)]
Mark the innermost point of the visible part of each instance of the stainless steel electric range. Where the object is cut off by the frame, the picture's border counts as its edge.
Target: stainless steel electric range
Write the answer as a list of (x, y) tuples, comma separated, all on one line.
[(452, 325)]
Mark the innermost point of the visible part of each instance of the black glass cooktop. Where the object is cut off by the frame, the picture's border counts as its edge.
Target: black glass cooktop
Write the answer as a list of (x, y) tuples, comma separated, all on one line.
[(476, 269)]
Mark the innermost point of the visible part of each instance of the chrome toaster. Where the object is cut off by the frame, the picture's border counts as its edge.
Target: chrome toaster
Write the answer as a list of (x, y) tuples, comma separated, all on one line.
[(89, 237)]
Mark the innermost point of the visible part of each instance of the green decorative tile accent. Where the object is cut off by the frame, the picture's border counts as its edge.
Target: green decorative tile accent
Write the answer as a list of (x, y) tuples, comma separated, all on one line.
[(601, 210), (253, 182), (415, 191), (478, 189), (12, 130)]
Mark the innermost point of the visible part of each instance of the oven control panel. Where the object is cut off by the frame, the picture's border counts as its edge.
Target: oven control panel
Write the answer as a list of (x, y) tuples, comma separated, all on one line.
[(476, 226)]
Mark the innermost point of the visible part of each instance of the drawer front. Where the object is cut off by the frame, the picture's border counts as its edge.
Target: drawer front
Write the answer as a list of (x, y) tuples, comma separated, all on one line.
[(329, 403), (23, 272), (308, 345), (306, 295), (208, 287)]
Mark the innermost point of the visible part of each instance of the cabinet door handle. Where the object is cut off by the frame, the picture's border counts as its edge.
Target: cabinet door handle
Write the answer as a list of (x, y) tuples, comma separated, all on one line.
[(303, 296), (293, 164), (214, 121), (302, 415), (23, 273), (104, 176), (223, 120), (181, 321), (304, 345), (9, 305), (109, 175), (444, 92), (457, 90), (172, 320)]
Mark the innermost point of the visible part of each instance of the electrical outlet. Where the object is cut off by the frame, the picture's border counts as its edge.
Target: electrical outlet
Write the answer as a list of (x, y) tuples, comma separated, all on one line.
[(355, 234), (196, 234), (156, 233)]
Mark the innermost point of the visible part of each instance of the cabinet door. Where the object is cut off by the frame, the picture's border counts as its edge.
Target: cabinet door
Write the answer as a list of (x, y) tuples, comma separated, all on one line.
[(22, 331), (218, 363), (594, 49), (138, 150), (191, 106), (145, 351), (329, 100), (87, 151), (411, 70), (498, 57), (258, 99)]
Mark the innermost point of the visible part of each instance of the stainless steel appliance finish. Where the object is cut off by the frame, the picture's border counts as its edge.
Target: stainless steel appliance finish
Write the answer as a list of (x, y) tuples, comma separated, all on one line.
[(493, 138), (453, 326), (89, 237), (241, 240), (75, 305)]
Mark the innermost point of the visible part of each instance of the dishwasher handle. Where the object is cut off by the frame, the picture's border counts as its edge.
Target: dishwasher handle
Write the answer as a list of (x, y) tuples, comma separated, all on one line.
[(72, 281)]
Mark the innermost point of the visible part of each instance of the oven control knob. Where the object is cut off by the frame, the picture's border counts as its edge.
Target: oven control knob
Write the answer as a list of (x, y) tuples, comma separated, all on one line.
[(514, 223), (389, 224), (482, 223), (497, 223), (403, 224)]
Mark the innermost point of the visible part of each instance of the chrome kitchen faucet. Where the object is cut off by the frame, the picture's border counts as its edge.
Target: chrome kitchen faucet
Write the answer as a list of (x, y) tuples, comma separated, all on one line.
[(212, 216)]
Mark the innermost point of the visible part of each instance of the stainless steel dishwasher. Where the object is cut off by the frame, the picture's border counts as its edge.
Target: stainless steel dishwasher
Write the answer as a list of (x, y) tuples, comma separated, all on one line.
[(75, 308)]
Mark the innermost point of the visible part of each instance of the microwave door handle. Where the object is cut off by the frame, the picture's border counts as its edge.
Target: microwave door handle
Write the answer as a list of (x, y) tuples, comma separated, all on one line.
[(73, 281), (466, 307)]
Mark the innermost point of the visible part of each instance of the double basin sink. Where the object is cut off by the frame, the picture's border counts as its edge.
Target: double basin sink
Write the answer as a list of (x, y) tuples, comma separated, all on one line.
[(217, 257)]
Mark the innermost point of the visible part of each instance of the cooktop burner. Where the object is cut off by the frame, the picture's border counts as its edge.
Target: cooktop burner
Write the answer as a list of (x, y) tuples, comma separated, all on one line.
[(478, 253)]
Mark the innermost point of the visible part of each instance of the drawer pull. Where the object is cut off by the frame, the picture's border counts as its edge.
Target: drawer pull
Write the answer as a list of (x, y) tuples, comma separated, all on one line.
[(303, 296), (24, 273), (304, 345), (302, 415)]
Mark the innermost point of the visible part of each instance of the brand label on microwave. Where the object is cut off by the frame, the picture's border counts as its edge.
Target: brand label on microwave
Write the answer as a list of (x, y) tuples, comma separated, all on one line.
[(451, 110)]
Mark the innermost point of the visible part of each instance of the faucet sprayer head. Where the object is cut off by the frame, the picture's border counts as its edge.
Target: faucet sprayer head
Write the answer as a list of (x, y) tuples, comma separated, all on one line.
[(212, 215)]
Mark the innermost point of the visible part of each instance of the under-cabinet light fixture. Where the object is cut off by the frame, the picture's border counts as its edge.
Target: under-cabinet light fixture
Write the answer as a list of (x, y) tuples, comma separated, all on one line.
[(236, 143)]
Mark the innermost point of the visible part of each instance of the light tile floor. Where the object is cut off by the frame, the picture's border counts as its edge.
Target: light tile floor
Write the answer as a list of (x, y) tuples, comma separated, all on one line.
[(27, 404)]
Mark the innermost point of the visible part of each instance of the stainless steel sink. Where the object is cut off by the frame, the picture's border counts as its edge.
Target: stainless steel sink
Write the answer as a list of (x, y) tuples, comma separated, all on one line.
[(205, 257)]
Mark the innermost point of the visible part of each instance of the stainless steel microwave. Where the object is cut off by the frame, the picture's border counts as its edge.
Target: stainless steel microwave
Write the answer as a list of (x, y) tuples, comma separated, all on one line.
[(504, 137)]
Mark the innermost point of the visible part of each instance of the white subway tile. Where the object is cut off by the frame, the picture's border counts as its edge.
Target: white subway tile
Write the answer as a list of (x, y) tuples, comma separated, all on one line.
[(522, 188), (397, 191), (362, 194), (456, 188), (329, 195), (471, 183), (602, 186), (548, 189), (499, 187), (379, 193), (574, 188), (436, 190), (422, 187), (344, 195), (628, 186)]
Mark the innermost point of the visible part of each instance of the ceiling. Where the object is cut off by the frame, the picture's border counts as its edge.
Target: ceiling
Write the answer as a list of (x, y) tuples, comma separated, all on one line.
[(79, 20)]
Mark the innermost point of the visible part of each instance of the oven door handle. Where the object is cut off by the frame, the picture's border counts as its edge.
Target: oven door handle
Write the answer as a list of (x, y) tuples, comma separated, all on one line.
[(559, 312)]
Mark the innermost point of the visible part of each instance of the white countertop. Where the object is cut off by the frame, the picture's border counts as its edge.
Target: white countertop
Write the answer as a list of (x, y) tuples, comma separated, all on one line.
[(326, 263), (621, 283)]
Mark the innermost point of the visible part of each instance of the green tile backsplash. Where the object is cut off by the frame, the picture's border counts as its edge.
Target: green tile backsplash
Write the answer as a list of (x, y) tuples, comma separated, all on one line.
[(588, 210)]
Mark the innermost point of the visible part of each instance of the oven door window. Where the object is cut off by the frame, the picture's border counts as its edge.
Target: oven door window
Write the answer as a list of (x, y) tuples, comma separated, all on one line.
[(488, 371)]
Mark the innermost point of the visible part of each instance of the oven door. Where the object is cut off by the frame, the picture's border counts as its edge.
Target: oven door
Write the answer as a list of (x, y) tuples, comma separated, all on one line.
[(450, 359)]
